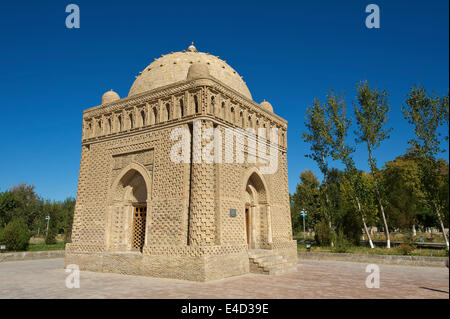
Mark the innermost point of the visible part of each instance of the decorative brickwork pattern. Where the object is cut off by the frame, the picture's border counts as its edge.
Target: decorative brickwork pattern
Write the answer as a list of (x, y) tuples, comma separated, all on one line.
[(195, 226)]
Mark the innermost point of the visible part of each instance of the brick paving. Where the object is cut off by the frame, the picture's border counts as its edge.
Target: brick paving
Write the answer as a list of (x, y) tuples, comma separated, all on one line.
[(45, 278)]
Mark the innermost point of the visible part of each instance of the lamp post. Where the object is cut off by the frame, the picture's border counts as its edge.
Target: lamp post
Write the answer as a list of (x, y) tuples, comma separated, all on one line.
[(303, 213), (48, 221)]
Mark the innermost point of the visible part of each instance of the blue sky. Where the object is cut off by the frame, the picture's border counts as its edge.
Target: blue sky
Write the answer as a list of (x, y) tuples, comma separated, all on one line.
[(287, 52)]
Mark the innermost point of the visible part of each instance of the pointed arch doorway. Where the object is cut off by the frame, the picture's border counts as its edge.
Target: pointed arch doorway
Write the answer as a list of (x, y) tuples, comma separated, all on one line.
[(258, 228), (128, 219)]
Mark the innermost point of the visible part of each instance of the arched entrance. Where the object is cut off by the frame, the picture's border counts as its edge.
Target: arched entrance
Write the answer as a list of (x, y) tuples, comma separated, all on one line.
[(257, 211), (128, 218)]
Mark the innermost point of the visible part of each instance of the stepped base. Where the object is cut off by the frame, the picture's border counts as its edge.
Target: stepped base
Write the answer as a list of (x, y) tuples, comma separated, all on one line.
[(269, 262)]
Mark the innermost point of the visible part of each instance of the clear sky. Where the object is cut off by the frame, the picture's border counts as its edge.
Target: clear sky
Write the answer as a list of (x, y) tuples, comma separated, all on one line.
[(287, 51)]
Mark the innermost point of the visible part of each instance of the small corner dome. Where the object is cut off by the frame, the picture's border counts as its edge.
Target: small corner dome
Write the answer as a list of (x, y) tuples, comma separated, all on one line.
[(109, 97), (197, 70), (266, 106)]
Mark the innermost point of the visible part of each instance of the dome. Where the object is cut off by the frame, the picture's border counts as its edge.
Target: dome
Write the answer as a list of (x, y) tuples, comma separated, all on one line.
[(110, 96), (174, 67), (266, 106), (197, 70)]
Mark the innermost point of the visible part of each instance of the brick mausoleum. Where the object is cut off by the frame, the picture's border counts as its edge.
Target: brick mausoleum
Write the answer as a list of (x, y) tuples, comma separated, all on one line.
[(139, 212)]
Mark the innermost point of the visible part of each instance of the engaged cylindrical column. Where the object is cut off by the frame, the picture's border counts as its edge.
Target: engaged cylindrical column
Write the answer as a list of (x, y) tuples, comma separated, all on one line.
[(202, 204), (269, 225)]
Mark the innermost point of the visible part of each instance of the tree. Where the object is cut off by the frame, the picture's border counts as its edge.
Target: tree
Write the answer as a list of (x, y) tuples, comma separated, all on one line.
[(372, 117), (318, 127), (401, 183), (7, 206), (427, 113), (15, 235), (306, 197), (69, 208), (28, 204), (51, 210), (340, 150)]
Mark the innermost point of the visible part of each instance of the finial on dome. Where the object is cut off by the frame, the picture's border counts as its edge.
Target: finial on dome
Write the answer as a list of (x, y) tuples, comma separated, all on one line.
[(192, 48)]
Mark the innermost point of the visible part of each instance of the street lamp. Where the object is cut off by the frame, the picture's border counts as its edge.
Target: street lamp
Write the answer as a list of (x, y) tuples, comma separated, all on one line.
[(48, 221), (303, 213)]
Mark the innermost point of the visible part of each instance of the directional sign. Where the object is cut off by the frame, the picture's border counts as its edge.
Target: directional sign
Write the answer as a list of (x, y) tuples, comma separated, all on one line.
[(303, 213), (47, 218)]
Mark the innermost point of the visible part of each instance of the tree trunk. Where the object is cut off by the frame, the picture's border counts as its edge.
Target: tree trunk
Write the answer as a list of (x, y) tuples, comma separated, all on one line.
[(388, 238), (327, 199), (364, 223), (442, 225), (414, 230)]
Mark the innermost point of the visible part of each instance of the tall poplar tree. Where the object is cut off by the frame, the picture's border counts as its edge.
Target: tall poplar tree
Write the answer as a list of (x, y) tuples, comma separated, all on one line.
[(427, 113), (371, 117), (340, 150), (318, 127)]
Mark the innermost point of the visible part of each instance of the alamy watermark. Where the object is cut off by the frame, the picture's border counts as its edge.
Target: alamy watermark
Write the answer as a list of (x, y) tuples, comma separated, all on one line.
[(73, 19), (373, 19), (207, 146), (73, 279), (373, 279)]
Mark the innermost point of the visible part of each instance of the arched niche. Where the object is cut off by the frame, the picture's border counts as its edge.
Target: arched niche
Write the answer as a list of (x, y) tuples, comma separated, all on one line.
[(129, 216)]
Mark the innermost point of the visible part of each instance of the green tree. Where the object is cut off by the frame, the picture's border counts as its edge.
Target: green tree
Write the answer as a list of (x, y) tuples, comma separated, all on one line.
[(28, 204), (317, 135), (51, 210), (372, 116), (340, 150), (427, 113), (401, 183), (69, 208), (7, 206), (306, 197), (15, 235)]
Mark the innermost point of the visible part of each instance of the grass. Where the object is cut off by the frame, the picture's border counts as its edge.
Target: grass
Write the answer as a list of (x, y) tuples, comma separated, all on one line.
[(377, 251), (44, 247), (428, 238)]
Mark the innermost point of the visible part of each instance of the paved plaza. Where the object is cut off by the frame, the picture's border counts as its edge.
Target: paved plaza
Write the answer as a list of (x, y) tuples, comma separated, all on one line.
[(45, 278)]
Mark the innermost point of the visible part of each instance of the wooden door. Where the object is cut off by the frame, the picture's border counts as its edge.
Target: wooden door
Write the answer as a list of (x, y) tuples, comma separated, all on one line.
[(247, 223), (139, 220)]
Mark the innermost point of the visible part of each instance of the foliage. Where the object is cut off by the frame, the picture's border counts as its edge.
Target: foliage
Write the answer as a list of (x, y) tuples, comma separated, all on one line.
[(405, 249), (21, 202), (401, 183), (342, 243), (28, 204), (51, 211), (15, 235), (7, 205), (69, 208), (317, 135), (306, 198), (372, 118), (426, 113), (351, 225), (404, 194), (323, 234)]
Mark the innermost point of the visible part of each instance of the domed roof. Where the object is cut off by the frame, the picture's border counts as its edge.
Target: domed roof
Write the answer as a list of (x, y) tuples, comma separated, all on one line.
[(173, 67), (266, 106), (197, 70), (110, 96)]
